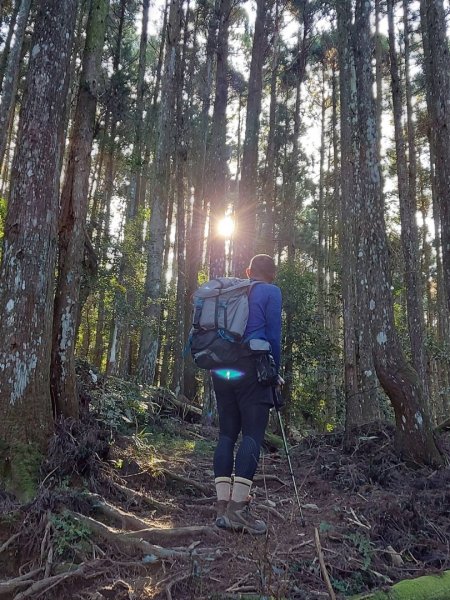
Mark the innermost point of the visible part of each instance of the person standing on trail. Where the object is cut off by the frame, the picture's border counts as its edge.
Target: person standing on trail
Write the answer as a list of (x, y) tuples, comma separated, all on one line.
[(243, 404)]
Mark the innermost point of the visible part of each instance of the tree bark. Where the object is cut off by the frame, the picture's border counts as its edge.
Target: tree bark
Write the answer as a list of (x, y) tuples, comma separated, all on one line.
[(72, 235), (157, 227), (7, 46), (30, 242), (409, 233), (245, 241), (399, 380), (11, 78), (359, 371), (217, 165), (437, 71)]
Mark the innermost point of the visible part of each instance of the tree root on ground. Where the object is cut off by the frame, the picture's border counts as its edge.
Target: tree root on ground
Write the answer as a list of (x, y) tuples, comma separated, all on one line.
[(135, 496), (205, 489), (124, 519), (128, 543), (140, 528), (12, 585), (8, 542)]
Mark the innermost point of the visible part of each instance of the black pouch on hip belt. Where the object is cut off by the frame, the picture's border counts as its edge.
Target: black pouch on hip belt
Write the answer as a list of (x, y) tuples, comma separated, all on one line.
[(266, 370)]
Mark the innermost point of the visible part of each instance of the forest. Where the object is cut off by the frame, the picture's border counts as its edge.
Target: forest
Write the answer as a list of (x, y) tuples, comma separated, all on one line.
[(147, 146)]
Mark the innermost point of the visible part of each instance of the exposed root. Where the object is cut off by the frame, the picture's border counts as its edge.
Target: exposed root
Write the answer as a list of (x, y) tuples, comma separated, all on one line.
[(138, 497), (174, 532), (127, 543), (205, 489), (8, 542), (124, 519), (12, 585)]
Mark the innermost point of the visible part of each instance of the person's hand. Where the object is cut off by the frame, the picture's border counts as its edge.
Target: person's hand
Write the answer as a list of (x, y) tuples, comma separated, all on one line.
[(280, 381)]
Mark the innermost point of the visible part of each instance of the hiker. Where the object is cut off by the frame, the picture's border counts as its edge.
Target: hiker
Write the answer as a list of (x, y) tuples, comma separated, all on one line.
[(243, 404)]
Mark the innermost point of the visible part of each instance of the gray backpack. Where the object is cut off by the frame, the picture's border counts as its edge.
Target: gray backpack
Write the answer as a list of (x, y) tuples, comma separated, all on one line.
[(219, 320)]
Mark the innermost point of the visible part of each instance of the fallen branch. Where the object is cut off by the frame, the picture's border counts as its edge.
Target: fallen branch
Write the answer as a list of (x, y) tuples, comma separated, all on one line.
[(185, 407), (323, 567), (129, 544)]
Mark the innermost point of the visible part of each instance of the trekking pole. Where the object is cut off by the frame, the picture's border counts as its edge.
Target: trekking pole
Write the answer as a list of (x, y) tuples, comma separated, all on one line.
[(276, 402)]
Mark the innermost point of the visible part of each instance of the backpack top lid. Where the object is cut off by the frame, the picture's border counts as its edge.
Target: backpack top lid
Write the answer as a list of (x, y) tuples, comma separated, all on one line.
[(221, 285)]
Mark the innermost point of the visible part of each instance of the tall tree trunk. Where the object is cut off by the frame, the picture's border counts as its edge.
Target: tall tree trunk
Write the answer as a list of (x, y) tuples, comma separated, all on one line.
[(437, 71), (409, 234), (359, 371), (266, 244), (72, 233), (157, 227), (217, 165), (7, 46), (399, 380), (30, 242), (133, 229), (245, 241), (180, 160), (194, 244), (10, 81)]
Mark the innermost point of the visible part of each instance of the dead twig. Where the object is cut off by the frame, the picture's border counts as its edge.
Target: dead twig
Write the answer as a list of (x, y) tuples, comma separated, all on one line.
[(236, 587), (323, 567)]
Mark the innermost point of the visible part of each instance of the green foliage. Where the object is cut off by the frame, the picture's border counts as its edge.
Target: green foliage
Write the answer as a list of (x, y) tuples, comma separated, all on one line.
[(314, 355), (364, 547), (19, 468), (124, 406), (70, 535)]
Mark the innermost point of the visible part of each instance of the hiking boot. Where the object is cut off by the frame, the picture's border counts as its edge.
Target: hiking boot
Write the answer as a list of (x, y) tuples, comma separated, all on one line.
[(241, 519), (221, 519)]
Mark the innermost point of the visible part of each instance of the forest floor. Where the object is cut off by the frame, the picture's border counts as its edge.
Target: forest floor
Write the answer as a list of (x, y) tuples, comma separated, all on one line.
[(378, 520)]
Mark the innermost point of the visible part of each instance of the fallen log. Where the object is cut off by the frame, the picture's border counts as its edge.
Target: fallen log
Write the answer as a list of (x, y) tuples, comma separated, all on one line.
[(428, 587)]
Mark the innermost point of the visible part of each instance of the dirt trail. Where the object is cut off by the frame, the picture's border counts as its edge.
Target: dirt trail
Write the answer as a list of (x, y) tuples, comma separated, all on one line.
[(378, 521)]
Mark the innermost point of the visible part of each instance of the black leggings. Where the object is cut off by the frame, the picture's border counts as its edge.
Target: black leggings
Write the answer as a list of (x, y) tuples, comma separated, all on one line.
[(242, 406)]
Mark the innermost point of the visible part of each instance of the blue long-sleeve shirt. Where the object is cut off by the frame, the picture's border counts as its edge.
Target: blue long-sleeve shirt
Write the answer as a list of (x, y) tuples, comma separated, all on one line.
[(264, 320)]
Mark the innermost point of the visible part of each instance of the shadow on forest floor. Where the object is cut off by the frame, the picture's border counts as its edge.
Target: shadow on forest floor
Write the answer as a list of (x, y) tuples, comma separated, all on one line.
[(379, 521)]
